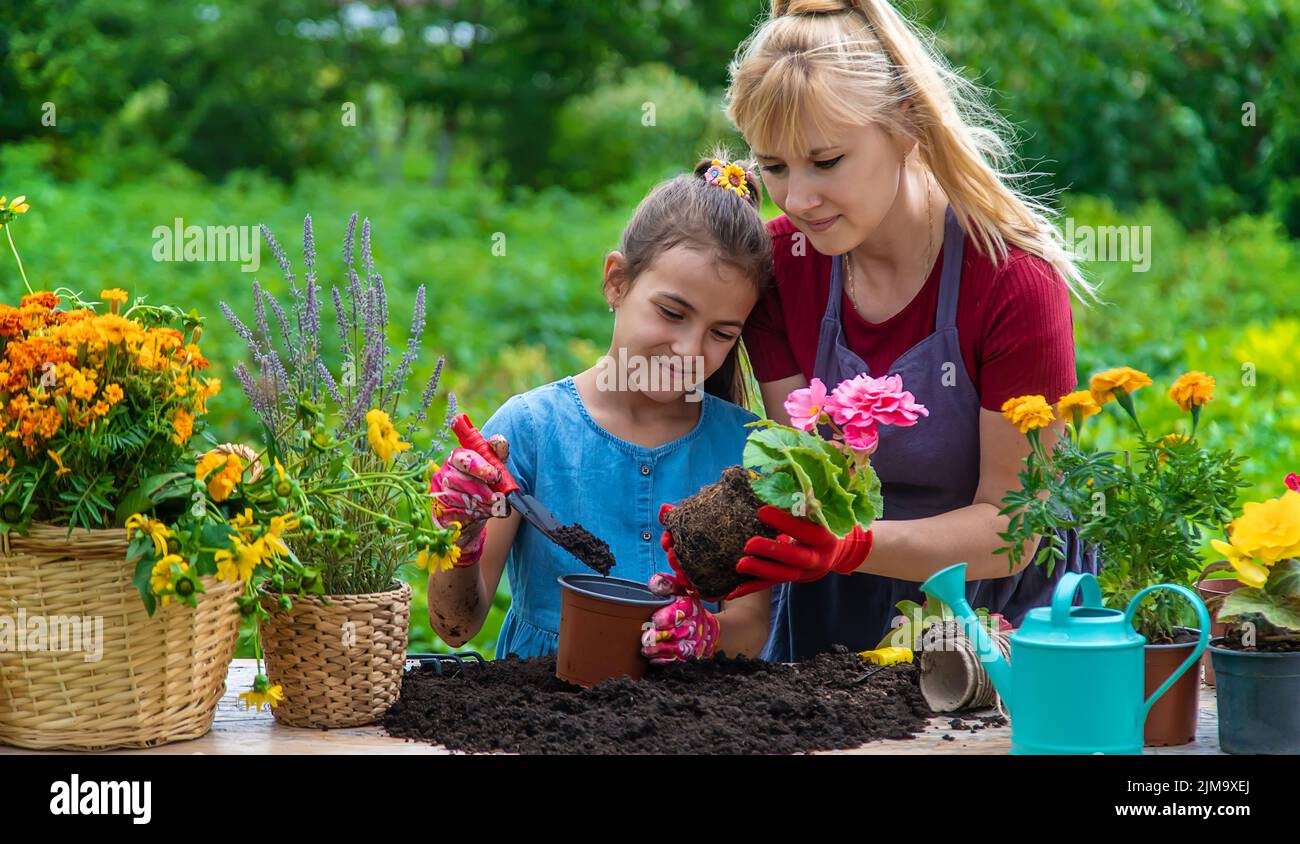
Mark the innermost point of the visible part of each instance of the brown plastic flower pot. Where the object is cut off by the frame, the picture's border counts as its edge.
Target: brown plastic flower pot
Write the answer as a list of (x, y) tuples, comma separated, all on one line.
[(1172, 719), (600, 628), (1210, 590)]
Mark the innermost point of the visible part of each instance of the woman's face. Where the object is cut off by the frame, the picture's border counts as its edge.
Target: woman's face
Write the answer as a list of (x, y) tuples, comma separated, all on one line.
[(676, 323), (839, 189)]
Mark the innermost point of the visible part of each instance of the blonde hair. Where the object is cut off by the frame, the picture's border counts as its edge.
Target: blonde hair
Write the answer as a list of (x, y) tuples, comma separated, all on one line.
[(855, 62)]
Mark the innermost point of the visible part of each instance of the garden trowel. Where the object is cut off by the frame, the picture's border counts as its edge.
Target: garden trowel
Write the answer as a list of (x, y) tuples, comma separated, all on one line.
[(575, 539)]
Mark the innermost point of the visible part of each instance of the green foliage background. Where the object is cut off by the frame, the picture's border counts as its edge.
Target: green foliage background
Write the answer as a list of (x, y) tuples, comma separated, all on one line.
[(486, 122)]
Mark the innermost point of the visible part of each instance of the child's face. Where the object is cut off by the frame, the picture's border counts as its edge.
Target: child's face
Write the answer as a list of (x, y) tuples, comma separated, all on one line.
[(680, 318), (838, 190)]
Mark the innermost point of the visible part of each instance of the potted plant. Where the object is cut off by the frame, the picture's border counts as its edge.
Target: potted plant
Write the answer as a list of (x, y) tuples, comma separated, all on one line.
[(100, 402), (827, 480), (1258, 660), (1147, 509), (334, 632)]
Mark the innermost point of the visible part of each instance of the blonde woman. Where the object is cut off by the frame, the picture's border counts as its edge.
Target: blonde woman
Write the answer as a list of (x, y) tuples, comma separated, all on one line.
[(905, 248)]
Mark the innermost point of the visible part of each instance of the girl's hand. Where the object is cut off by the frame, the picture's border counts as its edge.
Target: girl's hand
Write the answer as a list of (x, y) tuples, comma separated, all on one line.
[(682, 631), (464, 494)]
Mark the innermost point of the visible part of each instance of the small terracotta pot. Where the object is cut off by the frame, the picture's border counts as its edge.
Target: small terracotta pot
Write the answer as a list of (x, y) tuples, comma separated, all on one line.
[(600, 628), (1211, 592), (1172, 719)]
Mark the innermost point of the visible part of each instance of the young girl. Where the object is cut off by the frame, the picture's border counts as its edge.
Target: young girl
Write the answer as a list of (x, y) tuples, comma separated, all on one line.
[(904, 249), (608, 446)]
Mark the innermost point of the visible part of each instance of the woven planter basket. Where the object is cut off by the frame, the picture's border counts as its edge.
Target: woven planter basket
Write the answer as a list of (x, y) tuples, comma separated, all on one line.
[(158, 679), (338, 664)]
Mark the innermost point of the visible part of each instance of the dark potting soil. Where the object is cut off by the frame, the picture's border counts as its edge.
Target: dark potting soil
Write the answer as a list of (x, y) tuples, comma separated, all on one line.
[(1232, 642), (591, 550), (729, 706), (1182, 637), (710, 528)]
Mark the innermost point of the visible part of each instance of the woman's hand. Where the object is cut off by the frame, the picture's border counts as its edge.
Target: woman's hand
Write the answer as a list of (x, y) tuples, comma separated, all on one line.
[(464, 494), (682, 631), (804, 552)]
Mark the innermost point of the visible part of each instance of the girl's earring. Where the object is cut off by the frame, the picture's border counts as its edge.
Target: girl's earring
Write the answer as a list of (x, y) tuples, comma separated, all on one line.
[(611, 309)]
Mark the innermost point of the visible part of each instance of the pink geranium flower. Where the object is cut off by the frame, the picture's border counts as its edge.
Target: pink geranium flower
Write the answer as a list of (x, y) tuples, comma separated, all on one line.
[(806, 406), (860, 404), (1293, 481), (882, 401)]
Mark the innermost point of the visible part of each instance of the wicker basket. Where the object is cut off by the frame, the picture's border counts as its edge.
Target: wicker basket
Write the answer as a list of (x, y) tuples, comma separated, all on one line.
[(157, 680), (338, 664)]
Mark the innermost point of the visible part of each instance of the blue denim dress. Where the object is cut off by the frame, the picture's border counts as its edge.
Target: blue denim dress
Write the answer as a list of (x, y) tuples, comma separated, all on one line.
[(613, 488)]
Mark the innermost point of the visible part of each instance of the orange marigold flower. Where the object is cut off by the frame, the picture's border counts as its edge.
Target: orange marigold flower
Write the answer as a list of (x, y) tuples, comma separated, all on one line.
[(183, 425), (43, 298), (1079, 401), (115, 329), (1126, 378), (1192, 389), (113, 393), (1028, 413)]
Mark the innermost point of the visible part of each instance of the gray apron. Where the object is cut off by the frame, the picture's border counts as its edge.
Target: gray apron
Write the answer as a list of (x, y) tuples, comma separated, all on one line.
[(925, 470)]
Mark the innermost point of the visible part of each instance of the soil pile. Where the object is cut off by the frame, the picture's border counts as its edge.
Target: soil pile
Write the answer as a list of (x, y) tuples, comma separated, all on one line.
[(710, 529), (730, 706)]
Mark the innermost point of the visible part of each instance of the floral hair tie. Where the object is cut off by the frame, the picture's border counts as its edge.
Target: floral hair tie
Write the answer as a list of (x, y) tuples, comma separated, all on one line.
[(728, 175)]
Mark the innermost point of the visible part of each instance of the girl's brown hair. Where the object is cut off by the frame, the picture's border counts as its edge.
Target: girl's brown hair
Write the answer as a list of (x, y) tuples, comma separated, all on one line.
[(688, 211)]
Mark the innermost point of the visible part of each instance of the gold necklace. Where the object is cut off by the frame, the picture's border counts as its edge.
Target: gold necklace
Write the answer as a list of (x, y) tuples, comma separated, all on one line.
[(848, 262)]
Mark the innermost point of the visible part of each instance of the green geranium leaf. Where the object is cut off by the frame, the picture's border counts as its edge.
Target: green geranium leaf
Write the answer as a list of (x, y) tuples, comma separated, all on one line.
[(834, 498)]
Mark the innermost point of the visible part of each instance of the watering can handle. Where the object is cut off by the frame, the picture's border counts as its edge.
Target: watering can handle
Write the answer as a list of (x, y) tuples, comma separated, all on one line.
[(1063, 597), (1202, 619)]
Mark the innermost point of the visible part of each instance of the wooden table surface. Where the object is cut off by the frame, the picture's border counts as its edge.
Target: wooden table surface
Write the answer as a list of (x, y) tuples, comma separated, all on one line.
[(235, 731)]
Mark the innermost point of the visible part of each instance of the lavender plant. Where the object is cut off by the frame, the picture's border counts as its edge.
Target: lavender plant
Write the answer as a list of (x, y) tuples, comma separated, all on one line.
[(364, 485)]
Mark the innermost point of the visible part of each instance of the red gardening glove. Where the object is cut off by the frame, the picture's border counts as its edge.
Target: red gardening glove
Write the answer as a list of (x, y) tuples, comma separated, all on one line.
[(679, 579), (804, 552)]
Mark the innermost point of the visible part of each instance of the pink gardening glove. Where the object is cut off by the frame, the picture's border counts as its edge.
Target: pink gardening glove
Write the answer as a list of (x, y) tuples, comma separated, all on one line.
[(463, 490), (682, 631)]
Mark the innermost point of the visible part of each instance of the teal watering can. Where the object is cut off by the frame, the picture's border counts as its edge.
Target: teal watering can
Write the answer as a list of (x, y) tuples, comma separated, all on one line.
[(1075, 681)]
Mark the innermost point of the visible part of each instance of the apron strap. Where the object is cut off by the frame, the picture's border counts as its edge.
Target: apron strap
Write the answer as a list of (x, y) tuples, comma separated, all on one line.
[(950, 281)]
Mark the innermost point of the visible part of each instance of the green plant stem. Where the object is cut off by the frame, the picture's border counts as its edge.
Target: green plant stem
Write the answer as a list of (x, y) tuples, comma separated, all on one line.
[(21, 271)]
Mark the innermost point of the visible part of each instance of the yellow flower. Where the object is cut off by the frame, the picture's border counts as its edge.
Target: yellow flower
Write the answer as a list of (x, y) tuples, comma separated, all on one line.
[(275, 533), (207, 463), (1269, 531), (18, 206), (242, 522), (58, 461), (1028, 413), (113, 394), (383, 436), (1126, 378), (115, 329), (223, 482), (115, 297), (1192, 389), (262, 693), (239, 564), (157, 531), (183, 425), (1249, 572), (428, 557), (160, 579), (1166, 441), (1080, 402)]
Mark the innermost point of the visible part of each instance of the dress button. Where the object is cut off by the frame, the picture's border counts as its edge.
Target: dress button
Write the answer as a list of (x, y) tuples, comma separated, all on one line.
[(645, 535), (645, 468)]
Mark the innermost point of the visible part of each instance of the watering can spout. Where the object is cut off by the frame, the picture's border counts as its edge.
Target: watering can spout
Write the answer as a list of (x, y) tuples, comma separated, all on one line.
[(949, 586)]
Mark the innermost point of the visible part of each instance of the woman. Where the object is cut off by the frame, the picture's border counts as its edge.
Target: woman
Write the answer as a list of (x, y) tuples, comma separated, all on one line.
[(904, 248)]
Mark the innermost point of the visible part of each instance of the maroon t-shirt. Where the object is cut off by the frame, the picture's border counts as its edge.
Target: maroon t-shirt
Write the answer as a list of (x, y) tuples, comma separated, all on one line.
[(1013, 320)]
